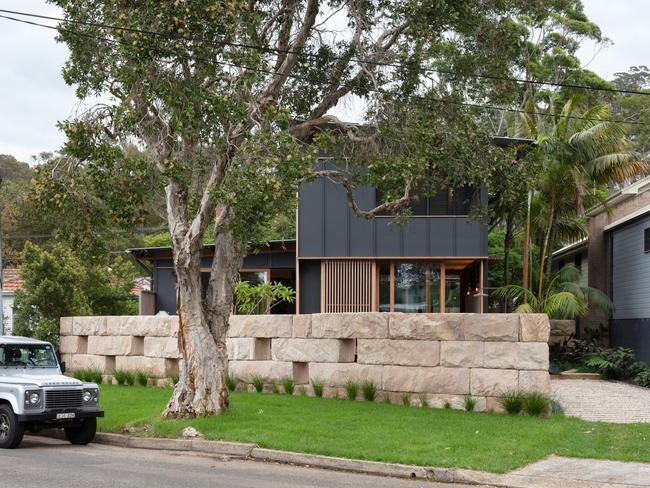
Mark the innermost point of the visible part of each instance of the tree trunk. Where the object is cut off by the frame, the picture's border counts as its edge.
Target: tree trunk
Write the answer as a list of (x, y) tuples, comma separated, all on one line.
[(542, 261), (507, 244)]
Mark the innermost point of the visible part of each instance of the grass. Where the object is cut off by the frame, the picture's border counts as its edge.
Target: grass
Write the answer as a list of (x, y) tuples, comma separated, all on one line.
[(512, 402), (351, 389), (317, 386), (369, 390), (91, 375), (383, 432)]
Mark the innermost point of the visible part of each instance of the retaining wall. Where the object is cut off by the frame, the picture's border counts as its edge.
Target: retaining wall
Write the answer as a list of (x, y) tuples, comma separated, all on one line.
[(440, 357)]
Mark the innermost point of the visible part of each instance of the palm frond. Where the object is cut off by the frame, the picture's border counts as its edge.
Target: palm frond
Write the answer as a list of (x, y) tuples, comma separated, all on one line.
[(618, 166), (564, 305), (598, 299)]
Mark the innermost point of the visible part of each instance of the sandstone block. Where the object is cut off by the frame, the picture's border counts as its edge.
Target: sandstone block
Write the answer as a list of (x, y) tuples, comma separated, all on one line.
[(427, 326), (336, 374), (65, 326), (398, 352), (453, 381), (534, 381), (493, 382), (464, 354), (154, 367), (73, 345), (115, 345), (240, 348), (493, 404), (141, 325), (261, 326), (87, 326), (562, 327), (271, 370), (75, 362), (491, 327), (535, 327), (371, 325), (516, 355), (307, 350), (161, 347), (302, 325)]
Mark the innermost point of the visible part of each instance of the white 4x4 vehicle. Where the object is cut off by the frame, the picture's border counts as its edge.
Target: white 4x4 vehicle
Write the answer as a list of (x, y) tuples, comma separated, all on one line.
[(35, 395)]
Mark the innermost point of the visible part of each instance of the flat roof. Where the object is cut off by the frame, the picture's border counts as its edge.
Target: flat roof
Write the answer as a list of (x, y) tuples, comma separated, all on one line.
[(627, 218), (163, 252), (571, 247), (625, 193)]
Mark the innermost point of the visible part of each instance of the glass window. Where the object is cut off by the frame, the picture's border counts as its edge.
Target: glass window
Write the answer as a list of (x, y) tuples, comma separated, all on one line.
[(27, 356), (417, 287), (452, 292), (384, 287), (254, 278)]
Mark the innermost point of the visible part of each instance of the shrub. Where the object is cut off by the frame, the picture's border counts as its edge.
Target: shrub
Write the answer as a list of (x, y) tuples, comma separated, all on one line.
[(258, 382), (643, 378), (175, 378), (369, 390), (469, 402), (303, 391), (287, 384), (141, 378), (231, 382), (274, 387), (78, 374), (536, 404), (352, 389), (512, 402), (90, 375), (129, 377), (637, 368), (120, 376), (612, 364), (424, 402), (406, 399), (317, 385), (447, 405)]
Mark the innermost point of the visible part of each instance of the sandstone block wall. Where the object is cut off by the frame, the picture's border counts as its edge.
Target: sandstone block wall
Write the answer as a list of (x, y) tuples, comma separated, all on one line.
[(440, 357)]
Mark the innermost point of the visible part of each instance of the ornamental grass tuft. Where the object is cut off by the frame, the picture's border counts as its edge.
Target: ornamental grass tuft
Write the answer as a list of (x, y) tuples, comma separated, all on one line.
[(351, 389)]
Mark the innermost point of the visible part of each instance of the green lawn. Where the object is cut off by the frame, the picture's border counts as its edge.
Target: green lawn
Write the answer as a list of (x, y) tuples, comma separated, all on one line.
[(381, 432)]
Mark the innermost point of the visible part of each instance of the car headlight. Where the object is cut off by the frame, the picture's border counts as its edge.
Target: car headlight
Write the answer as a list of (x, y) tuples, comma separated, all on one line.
[(87, 396), (34, 398), (90, 396)]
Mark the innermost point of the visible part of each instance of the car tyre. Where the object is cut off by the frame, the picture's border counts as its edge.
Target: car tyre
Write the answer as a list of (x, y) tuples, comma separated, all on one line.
[(11, 431), (82, 434)]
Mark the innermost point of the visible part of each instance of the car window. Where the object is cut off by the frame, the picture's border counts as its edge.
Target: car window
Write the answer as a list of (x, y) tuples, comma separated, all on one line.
[(27, 356)]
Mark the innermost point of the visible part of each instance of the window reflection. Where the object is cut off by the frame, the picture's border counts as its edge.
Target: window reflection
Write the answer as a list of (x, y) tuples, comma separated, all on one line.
[(416, 287)]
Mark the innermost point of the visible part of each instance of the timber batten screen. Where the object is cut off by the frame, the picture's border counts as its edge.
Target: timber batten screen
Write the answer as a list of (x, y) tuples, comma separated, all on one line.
[(348, 285)]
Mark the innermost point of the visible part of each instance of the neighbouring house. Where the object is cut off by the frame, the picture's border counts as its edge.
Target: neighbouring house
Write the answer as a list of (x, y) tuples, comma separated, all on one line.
[(434, 262), (11, 283), (616, 260)]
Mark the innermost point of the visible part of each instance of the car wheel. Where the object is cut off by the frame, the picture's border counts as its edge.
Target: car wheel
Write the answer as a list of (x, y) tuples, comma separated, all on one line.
[(11, 431), (82, 434)]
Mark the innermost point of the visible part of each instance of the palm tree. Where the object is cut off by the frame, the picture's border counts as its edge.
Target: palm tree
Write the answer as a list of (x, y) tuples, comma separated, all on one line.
[(583, 153), (561, 298)]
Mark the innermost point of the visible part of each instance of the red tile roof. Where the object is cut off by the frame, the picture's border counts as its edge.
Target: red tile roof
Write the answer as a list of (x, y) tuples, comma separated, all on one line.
[(11, 280)]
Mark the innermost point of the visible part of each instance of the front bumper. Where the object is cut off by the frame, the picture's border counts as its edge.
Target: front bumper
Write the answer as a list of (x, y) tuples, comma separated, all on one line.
[(51, 416)]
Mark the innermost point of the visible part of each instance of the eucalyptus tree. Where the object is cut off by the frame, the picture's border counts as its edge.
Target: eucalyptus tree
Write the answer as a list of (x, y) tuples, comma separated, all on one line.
[(227, 102)]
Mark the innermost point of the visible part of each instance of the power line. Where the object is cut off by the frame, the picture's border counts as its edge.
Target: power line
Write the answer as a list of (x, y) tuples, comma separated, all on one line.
[(315, 80), (302, 53)]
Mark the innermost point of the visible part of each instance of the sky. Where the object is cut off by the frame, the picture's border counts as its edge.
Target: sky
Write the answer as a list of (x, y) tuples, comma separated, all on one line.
[(33, 95)]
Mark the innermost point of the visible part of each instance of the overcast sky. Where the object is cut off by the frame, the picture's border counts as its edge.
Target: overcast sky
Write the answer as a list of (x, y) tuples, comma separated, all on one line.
[(33, 96)]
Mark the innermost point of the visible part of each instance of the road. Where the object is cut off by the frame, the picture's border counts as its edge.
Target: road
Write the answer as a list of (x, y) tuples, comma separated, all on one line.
[(43, 462)]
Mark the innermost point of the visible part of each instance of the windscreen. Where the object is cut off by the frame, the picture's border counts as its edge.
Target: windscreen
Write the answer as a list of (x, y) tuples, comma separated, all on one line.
[(27, 356)]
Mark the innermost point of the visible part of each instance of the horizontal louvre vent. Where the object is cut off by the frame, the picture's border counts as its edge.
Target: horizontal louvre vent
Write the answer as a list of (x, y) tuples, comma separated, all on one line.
[(55, 399)]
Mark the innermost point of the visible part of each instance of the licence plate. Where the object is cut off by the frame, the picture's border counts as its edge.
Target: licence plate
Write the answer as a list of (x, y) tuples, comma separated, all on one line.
[(65, 415)]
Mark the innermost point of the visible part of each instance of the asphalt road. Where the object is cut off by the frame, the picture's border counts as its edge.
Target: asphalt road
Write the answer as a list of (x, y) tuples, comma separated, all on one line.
[(42, 462)]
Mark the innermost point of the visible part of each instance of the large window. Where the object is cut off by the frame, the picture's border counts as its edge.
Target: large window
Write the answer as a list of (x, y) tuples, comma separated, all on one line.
[(415, 287)]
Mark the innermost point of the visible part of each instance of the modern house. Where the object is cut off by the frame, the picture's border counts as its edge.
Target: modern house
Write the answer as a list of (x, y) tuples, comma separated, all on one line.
[(11, 283), (436, 261), (617, 261)]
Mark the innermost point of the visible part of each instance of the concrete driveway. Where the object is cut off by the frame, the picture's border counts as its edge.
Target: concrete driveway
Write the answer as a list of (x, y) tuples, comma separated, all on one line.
[(43, 462)]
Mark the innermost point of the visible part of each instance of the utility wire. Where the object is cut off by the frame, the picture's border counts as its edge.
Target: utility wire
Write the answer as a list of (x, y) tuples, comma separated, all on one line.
[(308, 54), (320, 81)]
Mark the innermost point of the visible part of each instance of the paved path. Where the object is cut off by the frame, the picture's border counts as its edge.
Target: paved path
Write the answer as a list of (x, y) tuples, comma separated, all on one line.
[(605, 401), (588, 470), (43, 462)]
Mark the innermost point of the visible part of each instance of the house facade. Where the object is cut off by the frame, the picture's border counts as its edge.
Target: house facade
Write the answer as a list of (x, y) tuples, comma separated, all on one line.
[(617, 254), (11, 283), (435, 261)]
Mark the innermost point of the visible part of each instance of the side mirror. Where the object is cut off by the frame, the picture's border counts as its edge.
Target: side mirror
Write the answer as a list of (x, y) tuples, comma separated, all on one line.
[(62, 364)]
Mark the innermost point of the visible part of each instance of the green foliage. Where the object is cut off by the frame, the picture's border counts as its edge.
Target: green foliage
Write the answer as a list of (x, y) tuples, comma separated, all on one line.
[(512, 402), (274, 387), (288, 385), (141, 378), (317, 386), (258, 382), (614, 364), (261, 298), (58, 284), (643, 378), (303, 390), (175, 377), (351, 389), (369, 390), (406, 399), (536, 404), (469, 402), (121, 376), (562, 297), (424, 401), (447, 405), (90, 375), (231, 382)]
